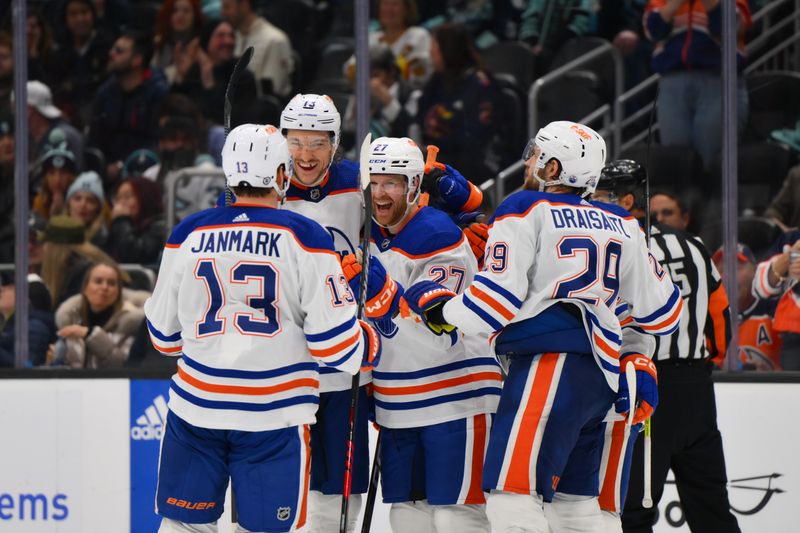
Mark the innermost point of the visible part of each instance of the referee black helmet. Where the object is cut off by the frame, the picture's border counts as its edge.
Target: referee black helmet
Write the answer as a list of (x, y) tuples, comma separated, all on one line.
[(621, 177)]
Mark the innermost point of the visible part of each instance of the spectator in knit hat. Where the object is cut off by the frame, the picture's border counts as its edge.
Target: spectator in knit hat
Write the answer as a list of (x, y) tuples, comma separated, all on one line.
[(137, 232), (67, 255), (47, 126), (58, 172), (86, 201)]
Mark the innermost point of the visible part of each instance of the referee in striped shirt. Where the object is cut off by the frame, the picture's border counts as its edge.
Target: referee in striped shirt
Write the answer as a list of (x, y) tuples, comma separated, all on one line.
[(685, 437)]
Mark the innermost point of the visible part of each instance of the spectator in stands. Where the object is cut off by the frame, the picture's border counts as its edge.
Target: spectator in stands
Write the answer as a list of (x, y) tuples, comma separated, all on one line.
[(670, 209), (759, 342), (785, 207), (457, 108), (179, 149), (41, 326), (688, 56), (98, 325), (80, 63), (410, 43), (112, 15), (620, 22), (36, 227), (7, 191), (272, 62), (137, 231), (124, 110), (66, 257), (178, 27), (41, 48), (138, 162), (58, 172), (548, 24), (6, 71), (47, 126), (204, 76), (779, 277), (86, 202), (393, 102), (477, 16)]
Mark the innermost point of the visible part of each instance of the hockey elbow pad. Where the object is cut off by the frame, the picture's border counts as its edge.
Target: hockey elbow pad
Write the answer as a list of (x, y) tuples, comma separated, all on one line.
[(424, 301), (646, 387), (372, 346)]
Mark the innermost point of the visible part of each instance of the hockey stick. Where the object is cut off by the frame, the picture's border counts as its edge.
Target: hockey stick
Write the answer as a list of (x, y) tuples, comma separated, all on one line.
[(372, 493), (363, 160), (647, 498), (230, 90), (630, 377)]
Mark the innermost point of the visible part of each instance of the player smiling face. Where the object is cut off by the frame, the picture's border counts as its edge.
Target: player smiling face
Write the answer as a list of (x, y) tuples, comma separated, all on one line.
[(312, 152), (389, 200)]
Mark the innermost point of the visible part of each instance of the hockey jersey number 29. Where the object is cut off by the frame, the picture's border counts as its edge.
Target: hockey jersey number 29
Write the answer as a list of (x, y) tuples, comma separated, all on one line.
[(545, 248)]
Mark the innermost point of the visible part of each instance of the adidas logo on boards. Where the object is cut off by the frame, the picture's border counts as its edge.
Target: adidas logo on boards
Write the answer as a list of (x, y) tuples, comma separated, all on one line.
[(241, 218), (150, 425)]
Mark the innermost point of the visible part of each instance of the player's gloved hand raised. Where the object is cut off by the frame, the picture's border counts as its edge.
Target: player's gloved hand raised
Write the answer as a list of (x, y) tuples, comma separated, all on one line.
[(372, 346), (477, 233), (646, 387), (383, 293), (449, 190), (424, 301)]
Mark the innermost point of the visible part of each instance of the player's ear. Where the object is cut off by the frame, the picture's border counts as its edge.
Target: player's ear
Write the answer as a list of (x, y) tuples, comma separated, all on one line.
[(552, 169), (627, 201)]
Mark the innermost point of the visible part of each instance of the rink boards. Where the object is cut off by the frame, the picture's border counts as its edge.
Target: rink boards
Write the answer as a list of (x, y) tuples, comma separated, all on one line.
[(80, 455)]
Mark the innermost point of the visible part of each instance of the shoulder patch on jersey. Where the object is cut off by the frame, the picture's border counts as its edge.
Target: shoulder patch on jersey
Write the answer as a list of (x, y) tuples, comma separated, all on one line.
[(428, 232)]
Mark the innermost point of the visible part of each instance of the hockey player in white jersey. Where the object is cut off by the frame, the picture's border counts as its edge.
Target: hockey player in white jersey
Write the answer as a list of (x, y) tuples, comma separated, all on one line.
[(554, 266), (250, 298), (434, 392), (327, 190)]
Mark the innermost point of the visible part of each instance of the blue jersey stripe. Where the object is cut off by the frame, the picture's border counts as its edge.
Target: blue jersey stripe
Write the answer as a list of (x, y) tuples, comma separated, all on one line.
[(249, 374), (594, 322), (331, 333), (608, 366), (343, 359), (516, 302), (457, 365), (328, 370), (175, 337), (241, 406), (447, 398), (663, 310), (483, 315)]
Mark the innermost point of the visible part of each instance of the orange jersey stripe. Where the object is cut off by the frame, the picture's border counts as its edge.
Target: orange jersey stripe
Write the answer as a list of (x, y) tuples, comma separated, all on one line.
[(669, 320), (608, 490), (249, 391), (491, 302), (176, 349), (518, 478), (475, 492), (608, 350), (307, 475), (438, 385), (347, 343)]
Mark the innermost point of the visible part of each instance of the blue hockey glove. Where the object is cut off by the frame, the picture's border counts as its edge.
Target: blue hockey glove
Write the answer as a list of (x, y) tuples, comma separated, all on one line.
[(383, 293), (646, 387), (424, 301), (372, 346)]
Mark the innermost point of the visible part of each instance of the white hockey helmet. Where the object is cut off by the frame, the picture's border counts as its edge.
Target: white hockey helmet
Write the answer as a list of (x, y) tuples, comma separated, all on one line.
[(398, 155), (579, 149), (252, 155), (312, 112)]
